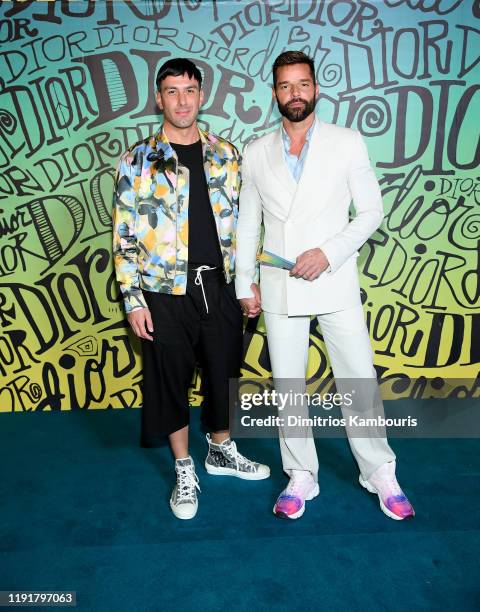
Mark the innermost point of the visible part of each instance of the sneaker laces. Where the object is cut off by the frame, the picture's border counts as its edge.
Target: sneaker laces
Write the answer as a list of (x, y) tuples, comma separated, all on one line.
[(394, 487), (388, 481), (295, 484), (187, 482), (232, 453)]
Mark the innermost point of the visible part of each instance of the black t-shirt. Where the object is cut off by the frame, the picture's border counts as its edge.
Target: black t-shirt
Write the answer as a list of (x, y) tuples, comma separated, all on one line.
[(203, 245)]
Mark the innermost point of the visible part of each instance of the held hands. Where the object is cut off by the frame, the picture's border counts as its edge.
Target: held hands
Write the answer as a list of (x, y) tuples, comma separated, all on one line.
[(310, 264), (252, 307), (140, 320)]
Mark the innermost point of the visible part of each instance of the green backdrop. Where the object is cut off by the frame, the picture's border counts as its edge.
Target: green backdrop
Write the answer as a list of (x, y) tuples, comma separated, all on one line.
[(76, 88)]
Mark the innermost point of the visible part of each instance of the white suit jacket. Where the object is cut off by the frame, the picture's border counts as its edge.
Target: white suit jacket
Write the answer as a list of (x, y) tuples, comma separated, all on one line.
[(312, 213)]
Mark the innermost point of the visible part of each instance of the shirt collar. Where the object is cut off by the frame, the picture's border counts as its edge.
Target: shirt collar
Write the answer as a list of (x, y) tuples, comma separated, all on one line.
[(160, 141), (286, 137)]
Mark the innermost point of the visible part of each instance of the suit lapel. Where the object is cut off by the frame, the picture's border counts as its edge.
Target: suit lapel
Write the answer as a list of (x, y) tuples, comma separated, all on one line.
[(316, 171), (278, 166)]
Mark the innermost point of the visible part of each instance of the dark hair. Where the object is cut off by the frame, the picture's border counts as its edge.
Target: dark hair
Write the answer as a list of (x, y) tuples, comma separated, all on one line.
[(178, 66), (292, 57)]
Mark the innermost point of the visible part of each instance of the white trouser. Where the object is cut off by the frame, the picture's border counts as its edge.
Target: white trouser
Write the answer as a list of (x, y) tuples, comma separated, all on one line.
[(348, 345)]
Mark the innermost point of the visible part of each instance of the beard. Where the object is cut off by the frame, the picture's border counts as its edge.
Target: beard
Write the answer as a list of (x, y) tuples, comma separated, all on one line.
[(297, 114)]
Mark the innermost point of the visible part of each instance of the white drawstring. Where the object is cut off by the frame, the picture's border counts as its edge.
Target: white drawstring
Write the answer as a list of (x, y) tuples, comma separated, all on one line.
[(199, 281)]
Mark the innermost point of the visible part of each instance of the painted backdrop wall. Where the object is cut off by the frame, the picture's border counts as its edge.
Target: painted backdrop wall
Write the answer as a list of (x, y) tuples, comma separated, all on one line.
[(76, 88)]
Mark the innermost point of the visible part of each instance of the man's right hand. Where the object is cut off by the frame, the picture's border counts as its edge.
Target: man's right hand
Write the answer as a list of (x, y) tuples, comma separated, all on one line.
[(252, 307), (140, 320)]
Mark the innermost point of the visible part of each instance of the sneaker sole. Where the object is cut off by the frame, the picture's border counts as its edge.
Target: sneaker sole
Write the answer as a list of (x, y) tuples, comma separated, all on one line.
[(371, 489), (313, 493), (183, 518), (221, 471)]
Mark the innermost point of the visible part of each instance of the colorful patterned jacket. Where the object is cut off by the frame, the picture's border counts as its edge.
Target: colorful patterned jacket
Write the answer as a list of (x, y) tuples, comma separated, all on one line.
[(150, 214)]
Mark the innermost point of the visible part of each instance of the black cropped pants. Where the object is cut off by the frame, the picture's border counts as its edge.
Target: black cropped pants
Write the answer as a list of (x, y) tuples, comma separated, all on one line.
[(186, 334)]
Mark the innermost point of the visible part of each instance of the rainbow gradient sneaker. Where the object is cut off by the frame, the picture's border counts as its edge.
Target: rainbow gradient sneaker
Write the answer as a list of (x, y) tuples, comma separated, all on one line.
[(393, 501), (291, 501)]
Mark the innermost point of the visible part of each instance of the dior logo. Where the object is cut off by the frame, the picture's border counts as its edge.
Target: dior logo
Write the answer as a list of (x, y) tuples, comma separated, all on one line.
[(219, 458)]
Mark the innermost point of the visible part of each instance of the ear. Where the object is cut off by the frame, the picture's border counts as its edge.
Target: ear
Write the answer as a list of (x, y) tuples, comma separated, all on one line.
[(158, 98), (317, 90), (274, 95), (202, 97)]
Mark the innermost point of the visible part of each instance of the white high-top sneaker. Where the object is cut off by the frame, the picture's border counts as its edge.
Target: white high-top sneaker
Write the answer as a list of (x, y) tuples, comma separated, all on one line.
[(225, 460), (183, 502)]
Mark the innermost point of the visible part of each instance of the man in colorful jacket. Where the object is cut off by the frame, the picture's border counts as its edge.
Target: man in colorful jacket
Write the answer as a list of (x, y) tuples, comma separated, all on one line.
[(175, 216)]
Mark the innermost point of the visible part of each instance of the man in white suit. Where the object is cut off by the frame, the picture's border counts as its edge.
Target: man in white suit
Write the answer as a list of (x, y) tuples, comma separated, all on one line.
[(300, 180)]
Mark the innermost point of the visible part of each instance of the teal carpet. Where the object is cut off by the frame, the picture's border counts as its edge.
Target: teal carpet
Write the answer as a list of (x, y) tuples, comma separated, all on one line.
[(84, 508)]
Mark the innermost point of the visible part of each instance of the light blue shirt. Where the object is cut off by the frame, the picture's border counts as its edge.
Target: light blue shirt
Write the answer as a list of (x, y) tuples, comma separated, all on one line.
[(295, 164)]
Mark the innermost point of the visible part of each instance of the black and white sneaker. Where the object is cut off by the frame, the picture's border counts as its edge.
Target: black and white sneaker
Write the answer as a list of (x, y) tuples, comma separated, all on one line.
[(183, 502), (225, 460)]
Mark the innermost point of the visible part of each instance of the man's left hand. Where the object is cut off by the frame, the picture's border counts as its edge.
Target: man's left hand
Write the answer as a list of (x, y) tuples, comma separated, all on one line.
[(310, 264)]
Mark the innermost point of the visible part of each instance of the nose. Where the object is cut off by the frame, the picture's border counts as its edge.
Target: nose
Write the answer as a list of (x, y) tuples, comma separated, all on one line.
[(295, 90), (182, 98)]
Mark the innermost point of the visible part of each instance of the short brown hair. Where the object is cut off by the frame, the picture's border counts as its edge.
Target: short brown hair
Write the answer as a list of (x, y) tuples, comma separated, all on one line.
[(292, 57)]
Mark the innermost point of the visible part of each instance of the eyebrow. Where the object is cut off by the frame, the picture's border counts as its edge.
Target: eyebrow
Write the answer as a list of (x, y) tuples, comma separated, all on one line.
[(301, 81), (194, 86)]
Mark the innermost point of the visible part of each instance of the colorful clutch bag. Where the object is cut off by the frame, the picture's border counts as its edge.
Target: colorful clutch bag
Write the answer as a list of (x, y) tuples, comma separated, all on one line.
[(275, 261)]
